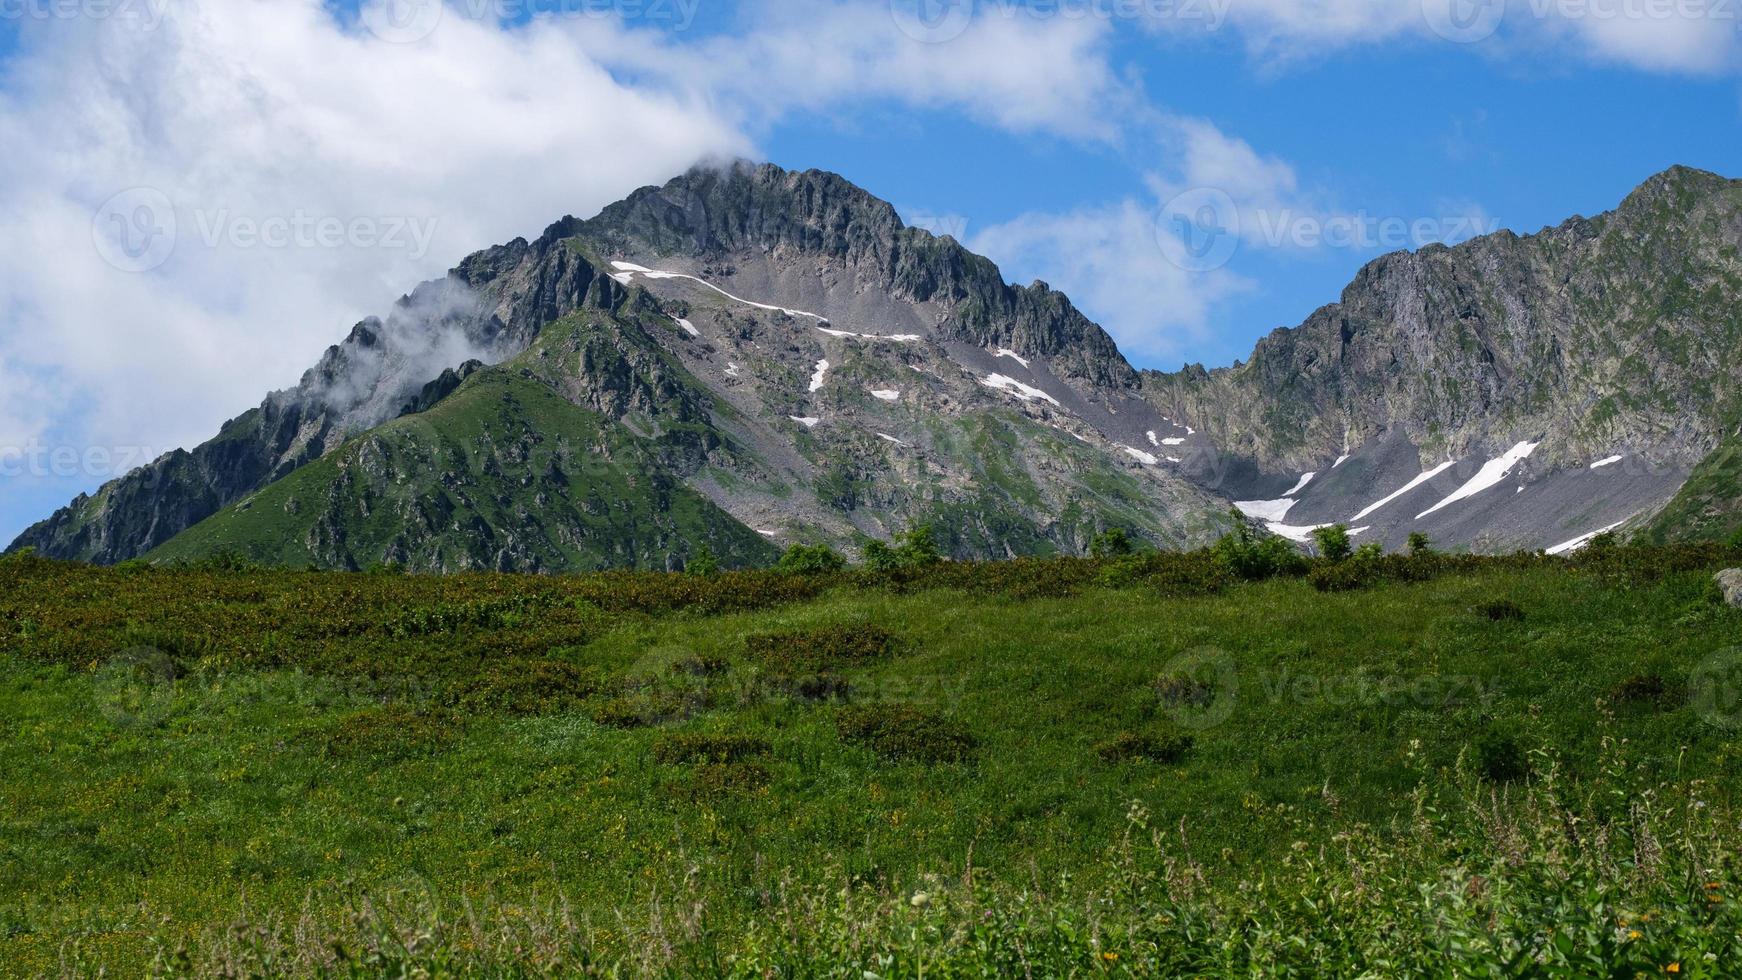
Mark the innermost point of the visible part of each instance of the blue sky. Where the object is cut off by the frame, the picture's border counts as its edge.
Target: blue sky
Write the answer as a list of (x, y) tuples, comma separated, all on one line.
[(1055, 142)]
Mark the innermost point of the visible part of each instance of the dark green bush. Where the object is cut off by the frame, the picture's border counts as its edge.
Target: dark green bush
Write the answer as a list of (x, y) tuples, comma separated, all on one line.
[(822, 649), (703, 563), (1641, 689), (1164, 749), (1420, 544), (810, 559), (915, 549), (683, 749), (394, 732), (1501, 611), (903, 733), (646, 709), (810, 687), (1500, 756), (1111, 543), (526, 687), (716, 779), (702, 666), (1255, 558), (1333, 542)]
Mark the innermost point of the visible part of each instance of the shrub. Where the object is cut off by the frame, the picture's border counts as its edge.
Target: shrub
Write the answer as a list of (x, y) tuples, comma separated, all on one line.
[(904, 733), (1735, 540), (701, 666), (394, 732), (645, 709), (812, 687), (1420, 544), (716, 779), (1111, 543), (1640, 689), (1164, 749), (1501, 611), (810, 559), (1333, 543), (1248, 556), (527, 687), (915, 549), (703, 563), (1500, 756), (821, 649), (677, 750)]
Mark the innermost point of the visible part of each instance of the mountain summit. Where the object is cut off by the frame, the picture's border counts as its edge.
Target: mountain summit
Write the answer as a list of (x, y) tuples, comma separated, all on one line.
[(748, 357)]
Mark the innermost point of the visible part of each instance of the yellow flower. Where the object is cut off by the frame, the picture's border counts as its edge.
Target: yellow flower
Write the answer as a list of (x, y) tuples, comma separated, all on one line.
[(1110, 957), (1673, 968), (1634, 934)]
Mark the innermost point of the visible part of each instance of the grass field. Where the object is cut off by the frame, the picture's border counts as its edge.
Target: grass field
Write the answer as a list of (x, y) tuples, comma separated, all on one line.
[(1506, 767)]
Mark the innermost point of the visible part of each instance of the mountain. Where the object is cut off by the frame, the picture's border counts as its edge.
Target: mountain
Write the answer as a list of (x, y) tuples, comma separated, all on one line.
[(748, 357), (1603, 356)]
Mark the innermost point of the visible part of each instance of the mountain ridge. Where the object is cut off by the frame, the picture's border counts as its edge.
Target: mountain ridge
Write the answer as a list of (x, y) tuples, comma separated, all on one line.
[(965, 383)]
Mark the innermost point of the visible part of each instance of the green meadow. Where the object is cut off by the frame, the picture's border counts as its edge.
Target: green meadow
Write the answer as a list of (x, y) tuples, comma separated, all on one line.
[(1151, 765)]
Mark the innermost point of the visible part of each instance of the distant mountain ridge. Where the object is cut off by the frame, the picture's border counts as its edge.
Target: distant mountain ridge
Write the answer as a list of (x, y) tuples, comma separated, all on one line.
[(747, 356)]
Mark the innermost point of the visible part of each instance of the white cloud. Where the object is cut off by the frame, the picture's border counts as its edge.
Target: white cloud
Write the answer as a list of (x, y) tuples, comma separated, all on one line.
[(1109, 261), (1679, 36)]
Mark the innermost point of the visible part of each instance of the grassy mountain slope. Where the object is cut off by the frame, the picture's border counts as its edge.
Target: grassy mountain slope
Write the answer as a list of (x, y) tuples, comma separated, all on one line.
[(1709, 507), (1524, 761)]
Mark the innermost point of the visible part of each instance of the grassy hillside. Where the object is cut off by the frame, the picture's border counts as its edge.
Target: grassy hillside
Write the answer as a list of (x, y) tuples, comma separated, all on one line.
[(1524, 766), (1709, 507), (503, 473)]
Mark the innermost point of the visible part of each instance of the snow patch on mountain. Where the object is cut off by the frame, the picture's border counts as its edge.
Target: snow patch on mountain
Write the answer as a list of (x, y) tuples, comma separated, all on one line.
[(1274, 511), (1407, 487), (1488, 477), (1027, 393)]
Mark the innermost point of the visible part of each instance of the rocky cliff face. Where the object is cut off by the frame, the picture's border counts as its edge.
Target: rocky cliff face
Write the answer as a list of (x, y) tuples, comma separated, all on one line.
[(748, 356), (1620, 334)]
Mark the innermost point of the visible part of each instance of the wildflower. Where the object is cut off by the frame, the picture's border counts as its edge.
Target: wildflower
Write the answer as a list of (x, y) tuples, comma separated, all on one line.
[(1110, 957), (919, 900), (1673, 968), (1635, 934)]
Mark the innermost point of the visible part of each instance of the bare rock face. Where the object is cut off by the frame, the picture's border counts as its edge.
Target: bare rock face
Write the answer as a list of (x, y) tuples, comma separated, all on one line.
[(1730, 583)]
